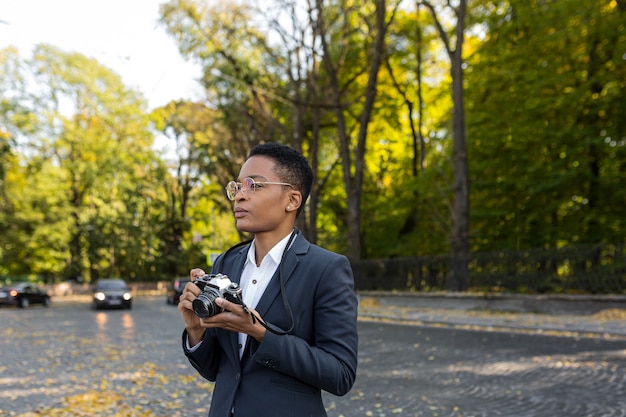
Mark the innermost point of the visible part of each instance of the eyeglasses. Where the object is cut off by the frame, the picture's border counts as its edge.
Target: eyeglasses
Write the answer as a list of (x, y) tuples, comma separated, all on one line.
[(232, 188)]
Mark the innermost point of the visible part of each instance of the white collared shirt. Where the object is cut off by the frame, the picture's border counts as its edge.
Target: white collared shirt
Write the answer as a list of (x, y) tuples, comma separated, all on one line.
[(254, 279)]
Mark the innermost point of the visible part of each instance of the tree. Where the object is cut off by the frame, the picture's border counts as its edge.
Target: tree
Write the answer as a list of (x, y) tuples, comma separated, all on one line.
[(547, 107), (335, 27), (91, 132), (453, 43), (421, 177), (192, 129)]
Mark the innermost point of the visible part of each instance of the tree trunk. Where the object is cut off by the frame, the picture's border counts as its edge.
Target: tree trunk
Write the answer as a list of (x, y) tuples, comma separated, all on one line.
[(459, 240), (353, 183), (459, 245)]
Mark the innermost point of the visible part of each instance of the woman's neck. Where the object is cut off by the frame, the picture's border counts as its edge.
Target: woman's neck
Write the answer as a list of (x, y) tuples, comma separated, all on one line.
[(264, 242)]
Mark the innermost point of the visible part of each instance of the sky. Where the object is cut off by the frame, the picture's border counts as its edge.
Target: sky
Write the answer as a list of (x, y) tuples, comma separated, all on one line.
[(123, 35)]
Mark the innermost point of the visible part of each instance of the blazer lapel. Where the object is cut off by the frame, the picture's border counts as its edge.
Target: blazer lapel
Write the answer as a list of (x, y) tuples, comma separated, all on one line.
[(233, 266)]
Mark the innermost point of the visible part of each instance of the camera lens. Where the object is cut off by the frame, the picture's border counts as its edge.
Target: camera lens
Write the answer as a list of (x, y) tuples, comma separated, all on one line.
[(204, 306)]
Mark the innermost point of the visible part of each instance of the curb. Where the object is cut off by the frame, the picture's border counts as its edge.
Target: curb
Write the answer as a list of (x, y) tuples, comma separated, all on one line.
[(559, 304)]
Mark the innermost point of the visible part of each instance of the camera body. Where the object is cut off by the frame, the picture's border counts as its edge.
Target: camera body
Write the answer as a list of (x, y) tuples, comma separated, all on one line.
[(214, 286)]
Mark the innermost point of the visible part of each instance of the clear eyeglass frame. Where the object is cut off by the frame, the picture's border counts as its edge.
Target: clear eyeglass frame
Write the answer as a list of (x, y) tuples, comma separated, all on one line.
[(247, 184)]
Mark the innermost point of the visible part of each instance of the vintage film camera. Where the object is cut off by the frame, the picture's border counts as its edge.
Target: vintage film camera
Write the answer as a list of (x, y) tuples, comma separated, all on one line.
[(213, 286)]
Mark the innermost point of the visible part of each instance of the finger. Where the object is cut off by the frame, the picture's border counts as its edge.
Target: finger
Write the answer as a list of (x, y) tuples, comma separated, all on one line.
[(229, 306), (191, 288), (196, 273), (222, 320), (185, 305)]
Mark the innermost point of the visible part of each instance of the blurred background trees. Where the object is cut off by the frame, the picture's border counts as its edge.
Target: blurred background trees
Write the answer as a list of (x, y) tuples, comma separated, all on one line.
[(433, 127)]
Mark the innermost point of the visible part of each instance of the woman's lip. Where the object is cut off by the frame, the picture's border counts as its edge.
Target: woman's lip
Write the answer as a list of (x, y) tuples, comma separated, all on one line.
[(240, 212)]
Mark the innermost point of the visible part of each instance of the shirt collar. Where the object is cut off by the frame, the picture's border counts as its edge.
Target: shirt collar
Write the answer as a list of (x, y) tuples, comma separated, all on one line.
[(275, 253)]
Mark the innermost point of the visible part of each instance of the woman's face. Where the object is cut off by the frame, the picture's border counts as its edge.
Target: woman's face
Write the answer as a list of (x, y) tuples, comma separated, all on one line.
[(264, 208)]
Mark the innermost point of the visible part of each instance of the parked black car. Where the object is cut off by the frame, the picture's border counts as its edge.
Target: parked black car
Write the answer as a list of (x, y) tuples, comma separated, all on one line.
[(175, 291), (23, 294), (112, 293)]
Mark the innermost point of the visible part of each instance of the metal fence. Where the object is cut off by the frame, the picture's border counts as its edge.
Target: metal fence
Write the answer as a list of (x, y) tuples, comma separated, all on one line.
[(593, 269)]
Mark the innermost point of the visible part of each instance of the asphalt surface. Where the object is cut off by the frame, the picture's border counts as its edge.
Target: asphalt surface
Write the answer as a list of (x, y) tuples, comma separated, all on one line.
[(492, 355), (454, 356)]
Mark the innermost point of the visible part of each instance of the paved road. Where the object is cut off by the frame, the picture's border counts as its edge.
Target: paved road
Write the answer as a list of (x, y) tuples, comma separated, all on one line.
[(417, 371), (68, 360)]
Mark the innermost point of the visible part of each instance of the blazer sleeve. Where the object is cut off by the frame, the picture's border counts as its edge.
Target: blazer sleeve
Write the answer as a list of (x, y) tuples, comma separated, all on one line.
[(205, 359), (322, 350)]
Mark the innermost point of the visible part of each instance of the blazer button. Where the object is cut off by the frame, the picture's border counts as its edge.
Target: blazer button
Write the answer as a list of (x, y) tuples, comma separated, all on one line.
[(237, 376)]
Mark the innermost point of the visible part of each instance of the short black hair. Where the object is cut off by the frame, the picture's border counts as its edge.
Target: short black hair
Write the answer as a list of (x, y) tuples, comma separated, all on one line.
[(291, 166)]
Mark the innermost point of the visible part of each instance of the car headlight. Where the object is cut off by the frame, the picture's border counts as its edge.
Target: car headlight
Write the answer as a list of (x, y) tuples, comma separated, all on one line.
[(99, 296), (126, 296)]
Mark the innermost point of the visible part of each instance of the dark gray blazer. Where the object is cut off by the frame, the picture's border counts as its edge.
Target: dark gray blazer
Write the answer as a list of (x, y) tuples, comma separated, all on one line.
[(284, 375)]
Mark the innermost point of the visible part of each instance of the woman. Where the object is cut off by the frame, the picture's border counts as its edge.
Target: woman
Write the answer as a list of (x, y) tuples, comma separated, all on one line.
[(295, 334)]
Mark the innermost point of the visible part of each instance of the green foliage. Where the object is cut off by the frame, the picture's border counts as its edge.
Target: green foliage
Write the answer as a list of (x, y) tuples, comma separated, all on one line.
[(75, 194), (545, 104), (83, 193)]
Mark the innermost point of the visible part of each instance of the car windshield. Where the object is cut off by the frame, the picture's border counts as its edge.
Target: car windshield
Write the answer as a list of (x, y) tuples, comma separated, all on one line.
[(19, 285), (111, 285), (181, 283)]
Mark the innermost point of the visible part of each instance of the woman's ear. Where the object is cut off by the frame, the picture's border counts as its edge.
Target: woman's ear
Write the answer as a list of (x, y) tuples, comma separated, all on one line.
[(295, 199)]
